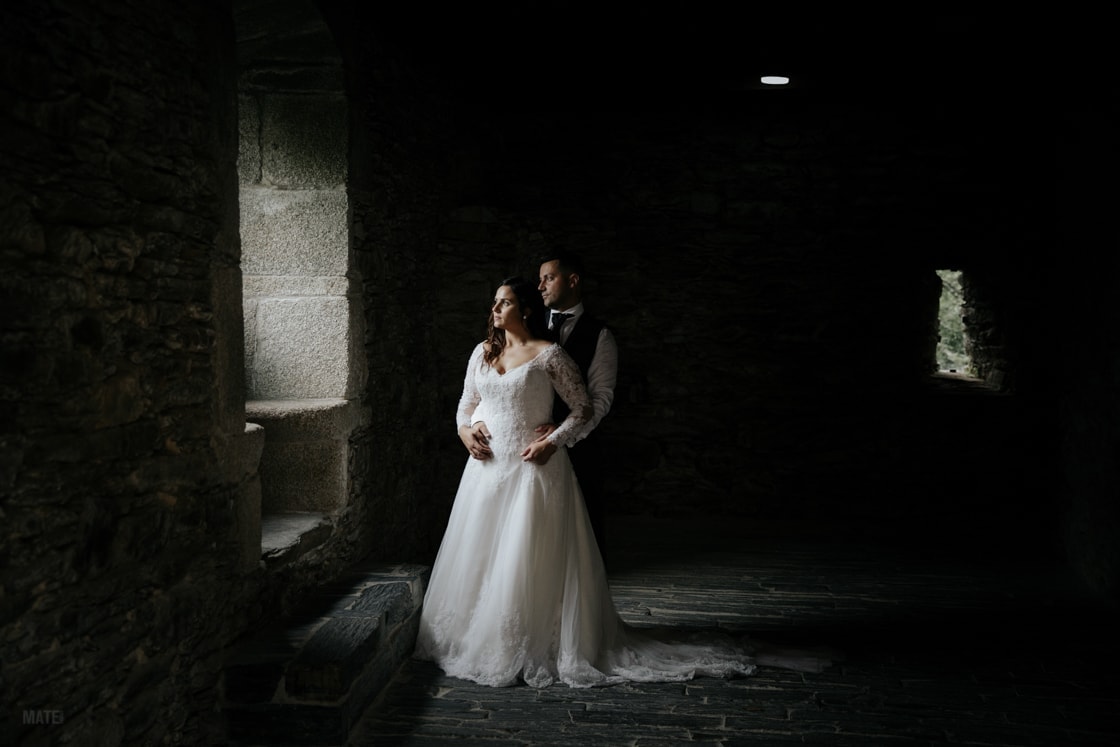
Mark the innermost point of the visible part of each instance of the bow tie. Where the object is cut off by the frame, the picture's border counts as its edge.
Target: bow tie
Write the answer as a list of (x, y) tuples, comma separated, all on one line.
[(558, 319)]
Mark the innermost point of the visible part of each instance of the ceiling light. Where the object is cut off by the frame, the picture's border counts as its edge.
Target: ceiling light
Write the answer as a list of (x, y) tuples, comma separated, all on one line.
[(774, 80)]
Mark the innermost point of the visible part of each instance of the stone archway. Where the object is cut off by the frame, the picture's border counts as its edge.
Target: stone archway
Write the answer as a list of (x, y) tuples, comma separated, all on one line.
[(303, 308)]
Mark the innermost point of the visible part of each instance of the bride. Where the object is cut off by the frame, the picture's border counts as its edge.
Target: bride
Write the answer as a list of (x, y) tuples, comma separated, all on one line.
[(518, 590)]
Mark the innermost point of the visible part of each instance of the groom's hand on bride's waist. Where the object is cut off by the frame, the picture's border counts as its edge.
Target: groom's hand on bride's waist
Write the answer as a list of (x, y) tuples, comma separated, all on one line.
[(540, 450)]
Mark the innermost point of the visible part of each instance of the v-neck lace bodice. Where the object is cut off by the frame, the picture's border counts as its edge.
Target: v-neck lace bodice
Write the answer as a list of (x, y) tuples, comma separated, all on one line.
[(514, 403)]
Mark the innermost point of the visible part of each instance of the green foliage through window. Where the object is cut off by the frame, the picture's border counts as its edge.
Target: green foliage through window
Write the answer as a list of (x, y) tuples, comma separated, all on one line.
[(951, 350)]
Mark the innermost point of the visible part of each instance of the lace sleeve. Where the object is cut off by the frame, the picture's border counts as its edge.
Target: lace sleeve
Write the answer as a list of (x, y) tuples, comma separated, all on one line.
[(470, 397), (568, 383)]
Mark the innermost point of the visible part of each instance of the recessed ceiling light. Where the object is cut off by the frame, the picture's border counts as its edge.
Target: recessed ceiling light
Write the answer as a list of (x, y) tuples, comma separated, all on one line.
[(774, 80)]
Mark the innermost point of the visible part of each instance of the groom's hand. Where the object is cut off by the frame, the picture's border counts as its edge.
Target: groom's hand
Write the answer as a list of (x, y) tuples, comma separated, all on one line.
[(539, 451)]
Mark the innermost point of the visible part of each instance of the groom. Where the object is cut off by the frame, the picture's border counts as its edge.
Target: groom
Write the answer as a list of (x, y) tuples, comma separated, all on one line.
[(592, 345), (588, 341)]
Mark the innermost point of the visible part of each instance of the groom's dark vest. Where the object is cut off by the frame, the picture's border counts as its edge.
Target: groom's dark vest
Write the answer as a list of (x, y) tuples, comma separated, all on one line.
[(581, 346)]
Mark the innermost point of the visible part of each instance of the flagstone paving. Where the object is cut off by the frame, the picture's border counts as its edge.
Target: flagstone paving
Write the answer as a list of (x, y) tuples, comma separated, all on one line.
[(939, 646)]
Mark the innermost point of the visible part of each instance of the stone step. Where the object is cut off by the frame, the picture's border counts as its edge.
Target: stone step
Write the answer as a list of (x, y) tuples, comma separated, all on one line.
[(308, 679)]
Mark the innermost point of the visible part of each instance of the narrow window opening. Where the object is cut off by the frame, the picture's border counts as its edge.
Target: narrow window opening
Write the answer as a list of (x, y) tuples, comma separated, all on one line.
[(302, 307), (952, 340)]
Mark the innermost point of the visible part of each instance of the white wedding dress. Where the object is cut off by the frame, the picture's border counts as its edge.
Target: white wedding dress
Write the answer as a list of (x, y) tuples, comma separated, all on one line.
[(518, 591)]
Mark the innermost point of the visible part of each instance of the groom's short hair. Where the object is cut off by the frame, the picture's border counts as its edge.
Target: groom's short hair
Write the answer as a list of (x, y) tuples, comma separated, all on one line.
[(569, 261)]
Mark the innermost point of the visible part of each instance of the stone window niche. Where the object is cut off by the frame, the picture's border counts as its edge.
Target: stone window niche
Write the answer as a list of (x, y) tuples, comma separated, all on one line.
[(302, 304), (982, 356), (952, 340)]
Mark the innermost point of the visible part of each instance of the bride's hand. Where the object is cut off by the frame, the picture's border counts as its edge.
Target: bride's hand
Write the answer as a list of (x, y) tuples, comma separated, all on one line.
[(477, 440), (539, 451)]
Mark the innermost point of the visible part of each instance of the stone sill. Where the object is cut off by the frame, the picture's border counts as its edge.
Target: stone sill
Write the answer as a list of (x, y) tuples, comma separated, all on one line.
[(945, 382), (301, 420), (288, 536)]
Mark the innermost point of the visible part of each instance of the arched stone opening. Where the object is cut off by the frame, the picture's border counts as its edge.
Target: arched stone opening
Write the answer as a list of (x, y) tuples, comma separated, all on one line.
[(302, 299), (988, 343)]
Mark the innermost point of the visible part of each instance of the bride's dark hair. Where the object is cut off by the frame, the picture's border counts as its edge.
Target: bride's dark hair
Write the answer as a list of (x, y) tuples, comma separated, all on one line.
[(533, 310)]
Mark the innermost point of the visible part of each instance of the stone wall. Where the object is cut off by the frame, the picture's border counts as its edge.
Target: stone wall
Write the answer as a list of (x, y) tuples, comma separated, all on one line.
[(1081, 344), (768, 267), (769, 273), (126, 550), (396, 182), (301, 329)]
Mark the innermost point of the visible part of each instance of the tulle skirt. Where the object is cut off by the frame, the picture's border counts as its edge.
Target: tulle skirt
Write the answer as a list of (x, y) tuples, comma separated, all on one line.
[(518, 593)]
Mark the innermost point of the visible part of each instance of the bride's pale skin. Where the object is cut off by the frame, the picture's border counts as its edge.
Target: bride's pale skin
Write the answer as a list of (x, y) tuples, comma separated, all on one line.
[(521, 347)]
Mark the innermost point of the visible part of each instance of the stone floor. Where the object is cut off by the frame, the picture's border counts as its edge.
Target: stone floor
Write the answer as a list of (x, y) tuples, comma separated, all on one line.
[(941, 645)]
